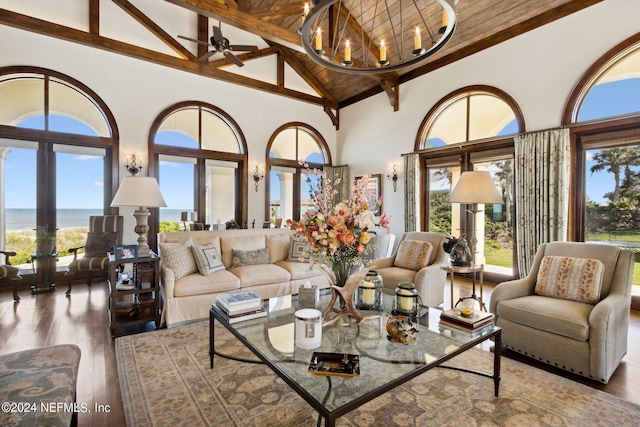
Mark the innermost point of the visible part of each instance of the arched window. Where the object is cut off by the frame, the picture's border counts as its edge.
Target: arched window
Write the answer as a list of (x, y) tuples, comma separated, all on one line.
[(58, 140), (604, 113), (291, 147), (447, 143), (469, 114), (199, 158)]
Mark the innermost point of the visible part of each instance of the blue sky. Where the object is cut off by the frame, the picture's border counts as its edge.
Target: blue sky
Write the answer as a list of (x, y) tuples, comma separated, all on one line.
[(84, 173)]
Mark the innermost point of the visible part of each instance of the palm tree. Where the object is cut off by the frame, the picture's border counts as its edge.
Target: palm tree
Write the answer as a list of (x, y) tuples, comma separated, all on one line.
[(613, 160), (504, 176)]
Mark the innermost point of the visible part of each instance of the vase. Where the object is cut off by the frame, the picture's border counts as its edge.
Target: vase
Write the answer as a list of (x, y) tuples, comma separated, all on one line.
[(341, 268), (44, 248)]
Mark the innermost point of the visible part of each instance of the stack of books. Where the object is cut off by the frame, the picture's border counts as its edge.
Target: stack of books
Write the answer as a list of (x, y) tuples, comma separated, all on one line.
[(454, 320), (240, 305)]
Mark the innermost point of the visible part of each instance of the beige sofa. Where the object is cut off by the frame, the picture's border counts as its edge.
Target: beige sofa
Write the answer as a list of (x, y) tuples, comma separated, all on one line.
[(188, 294)]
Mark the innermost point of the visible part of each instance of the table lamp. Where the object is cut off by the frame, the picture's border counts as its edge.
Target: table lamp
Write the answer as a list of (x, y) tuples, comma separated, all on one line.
[(475, 187), (141, 192)]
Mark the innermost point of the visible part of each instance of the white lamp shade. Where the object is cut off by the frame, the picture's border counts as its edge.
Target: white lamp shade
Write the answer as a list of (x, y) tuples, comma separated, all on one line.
[(475, 187), (142, 191)]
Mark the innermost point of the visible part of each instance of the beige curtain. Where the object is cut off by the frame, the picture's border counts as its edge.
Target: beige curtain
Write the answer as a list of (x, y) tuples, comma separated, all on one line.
[(542, 191), (340, 173), (410, 192)]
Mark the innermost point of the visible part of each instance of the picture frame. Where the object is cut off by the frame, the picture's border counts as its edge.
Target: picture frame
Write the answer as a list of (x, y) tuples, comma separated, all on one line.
[(125, 252), (374, 191)]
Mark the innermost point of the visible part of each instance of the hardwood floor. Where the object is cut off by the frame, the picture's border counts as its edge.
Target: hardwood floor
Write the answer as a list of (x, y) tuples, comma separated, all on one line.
[(48, 319)]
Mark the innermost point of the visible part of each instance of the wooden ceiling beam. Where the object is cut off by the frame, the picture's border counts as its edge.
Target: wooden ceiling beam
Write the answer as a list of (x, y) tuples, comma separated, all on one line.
[(309, 78), (94, 16), (244, 21), (203, 34), (279, 11), (245, 56), (155, 29), (28, 23), (393, 92)]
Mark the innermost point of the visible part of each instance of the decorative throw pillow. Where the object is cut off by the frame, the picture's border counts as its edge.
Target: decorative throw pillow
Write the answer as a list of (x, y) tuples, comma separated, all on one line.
[(298, 249), (255, 257), (179, 257), (576, 279), (99, 243), (207, 259), (413, 254)]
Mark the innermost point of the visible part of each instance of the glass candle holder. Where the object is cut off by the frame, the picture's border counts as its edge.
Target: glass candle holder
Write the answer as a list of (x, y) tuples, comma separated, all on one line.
[(406, 299), (369, 292)]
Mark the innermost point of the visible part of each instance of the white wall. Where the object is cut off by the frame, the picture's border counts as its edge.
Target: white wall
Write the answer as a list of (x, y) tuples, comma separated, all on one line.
[(538, 69), (137, 91)]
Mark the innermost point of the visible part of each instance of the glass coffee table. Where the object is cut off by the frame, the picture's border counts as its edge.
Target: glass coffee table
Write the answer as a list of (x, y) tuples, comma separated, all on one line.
[(384, 365)]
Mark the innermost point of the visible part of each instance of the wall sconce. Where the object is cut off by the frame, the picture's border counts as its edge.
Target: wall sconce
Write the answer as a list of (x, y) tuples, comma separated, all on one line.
[(257, 176), (392, 175), (132, 166)]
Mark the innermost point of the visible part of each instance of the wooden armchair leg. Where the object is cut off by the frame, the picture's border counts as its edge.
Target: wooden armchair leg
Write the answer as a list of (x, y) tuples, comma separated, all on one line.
[(89, 278), (68, 287), (16, 297)]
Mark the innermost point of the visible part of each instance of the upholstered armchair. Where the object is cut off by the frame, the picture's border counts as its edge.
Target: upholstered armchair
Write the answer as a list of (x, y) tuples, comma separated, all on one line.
[(104, 233), (572, 309), (417, 260), (9, 276)]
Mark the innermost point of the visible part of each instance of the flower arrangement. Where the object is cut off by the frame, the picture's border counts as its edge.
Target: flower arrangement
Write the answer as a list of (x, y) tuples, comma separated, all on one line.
[(338, 235)]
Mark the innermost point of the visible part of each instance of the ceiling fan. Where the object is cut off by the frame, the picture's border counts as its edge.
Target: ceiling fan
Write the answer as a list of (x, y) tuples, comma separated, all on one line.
[(221, 44)]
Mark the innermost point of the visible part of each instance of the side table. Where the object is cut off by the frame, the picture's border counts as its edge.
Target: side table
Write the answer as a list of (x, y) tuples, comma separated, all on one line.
[(475, 270), (44, 267)]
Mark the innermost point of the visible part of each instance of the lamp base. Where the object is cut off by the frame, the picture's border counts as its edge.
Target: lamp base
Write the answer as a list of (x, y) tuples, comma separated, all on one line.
[(142, 215)]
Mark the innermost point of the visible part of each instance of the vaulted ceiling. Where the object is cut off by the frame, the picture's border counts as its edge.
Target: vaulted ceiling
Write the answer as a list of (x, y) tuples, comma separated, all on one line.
[(274, 24)]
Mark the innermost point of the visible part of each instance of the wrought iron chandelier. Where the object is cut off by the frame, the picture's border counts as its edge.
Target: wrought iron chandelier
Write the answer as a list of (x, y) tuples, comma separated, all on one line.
[(383, 36)]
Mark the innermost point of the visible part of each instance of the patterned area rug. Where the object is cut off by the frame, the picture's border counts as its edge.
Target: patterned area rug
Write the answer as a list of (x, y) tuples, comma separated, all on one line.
[(166, 380)]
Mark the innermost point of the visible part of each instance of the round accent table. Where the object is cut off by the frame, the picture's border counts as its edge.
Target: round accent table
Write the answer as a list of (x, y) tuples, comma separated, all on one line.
[(476, 271)]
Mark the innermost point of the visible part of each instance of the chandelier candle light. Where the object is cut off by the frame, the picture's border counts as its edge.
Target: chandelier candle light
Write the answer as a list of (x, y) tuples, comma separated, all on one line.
[(347, 36)]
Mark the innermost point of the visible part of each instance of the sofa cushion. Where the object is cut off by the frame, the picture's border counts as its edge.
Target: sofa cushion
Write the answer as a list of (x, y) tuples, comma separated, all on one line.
[(244, 243), (254, 257), (413, 255), (278, 247), (207, 259), (299, 270), (558, 316), (197, 284), (263, 274), (179, 257), (99, 243), (299, 249), (576, 279)]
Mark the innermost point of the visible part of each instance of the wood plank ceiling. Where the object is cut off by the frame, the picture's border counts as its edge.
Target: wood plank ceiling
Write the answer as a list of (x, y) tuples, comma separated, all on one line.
[(481, 24)]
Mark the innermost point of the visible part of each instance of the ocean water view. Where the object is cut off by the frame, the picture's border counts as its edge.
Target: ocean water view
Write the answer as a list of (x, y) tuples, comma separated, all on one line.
[(20, 219)]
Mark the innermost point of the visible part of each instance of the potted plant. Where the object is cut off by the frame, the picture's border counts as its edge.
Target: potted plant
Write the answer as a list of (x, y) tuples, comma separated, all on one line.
[(45, 241)]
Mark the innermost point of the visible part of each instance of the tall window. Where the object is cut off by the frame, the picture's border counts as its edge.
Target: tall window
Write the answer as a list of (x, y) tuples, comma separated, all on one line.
[(292, 149), (460, 120), (199, 157), (57, 142), (605, 111)]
